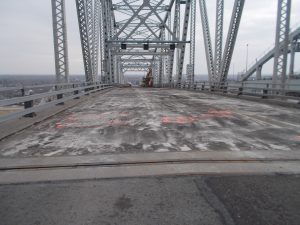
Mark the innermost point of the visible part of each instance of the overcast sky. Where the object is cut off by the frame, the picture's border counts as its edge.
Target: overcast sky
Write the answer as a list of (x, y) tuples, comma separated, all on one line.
[(26, 39)]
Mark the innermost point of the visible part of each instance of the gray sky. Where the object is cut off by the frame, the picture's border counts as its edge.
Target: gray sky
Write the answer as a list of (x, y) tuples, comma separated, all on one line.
[(26, 44)]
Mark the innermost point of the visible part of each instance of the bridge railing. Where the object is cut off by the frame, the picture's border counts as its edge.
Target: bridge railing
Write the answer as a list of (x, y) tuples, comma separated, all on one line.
[(29, 103), (260, 90)]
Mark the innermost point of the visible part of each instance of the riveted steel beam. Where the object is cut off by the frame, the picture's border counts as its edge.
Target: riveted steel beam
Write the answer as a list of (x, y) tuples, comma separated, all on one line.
[(60, 41), (281, 43)]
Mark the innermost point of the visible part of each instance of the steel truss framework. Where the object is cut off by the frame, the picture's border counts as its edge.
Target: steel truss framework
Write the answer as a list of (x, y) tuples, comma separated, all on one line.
[(131, 35), (144, 36), (286, 42), (60, 41), (135, 35), (88, 13), (218, 65), (281, 43), (293, 48)]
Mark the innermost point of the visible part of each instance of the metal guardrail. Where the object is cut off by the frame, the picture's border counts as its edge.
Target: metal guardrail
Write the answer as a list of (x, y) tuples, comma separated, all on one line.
[(24, 87), (63, 93), (265, 91)]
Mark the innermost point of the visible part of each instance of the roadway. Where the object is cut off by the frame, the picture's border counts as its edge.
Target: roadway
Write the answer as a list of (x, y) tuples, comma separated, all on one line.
[(154, 156), (152, 120)]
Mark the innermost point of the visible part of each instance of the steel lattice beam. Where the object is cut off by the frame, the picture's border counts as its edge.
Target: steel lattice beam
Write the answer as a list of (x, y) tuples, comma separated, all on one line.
[(282, 38), (102, 41), (231, 39), (218, 39), (207, 41), (60, 41), (193, 42), (82, 15), (184, 37), (96, 35)]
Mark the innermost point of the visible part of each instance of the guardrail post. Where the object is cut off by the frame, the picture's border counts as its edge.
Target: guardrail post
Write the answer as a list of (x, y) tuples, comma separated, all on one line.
[(76, 92), (203, 87), (225, 87), (240, 92), (23, 92), (265, 92), (86, 89), (92, 83), (59, 96), (28, 104)]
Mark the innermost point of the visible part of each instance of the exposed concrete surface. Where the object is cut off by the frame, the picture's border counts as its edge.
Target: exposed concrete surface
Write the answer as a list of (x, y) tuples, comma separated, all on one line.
[(13, 126), (250, 200), (15, 176), (159, 120), (162, 157)]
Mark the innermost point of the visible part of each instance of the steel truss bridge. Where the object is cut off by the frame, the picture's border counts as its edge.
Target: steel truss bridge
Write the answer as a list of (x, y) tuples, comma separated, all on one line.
[(136, 35), (294, 46)]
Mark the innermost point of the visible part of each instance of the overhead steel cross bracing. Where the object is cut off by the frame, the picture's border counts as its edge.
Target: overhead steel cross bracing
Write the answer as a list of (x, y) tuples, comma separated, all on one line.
[(60, 41), (143, 30)]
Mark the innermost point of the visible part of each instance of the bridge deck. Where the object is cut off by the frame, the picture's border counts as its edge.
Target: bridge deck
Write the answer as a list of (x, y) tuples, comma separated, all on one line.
[(134, 120)]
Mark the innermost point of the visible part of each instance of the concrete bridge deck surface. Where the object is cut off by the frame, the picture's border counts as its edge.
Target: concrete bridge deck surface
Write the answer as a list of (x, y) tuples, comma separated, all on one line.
[(155, 156), (135, 120)]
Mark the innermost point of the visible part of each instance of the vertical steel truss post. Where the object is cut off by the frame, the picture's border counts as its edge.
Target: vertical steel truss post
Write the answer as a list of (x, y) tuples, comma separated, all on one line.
[(101, 41), (108, 32), (184, 37), (161, 62), (96, 34), (292, 61), (85, 41), (90, 31), (218, 39), (207, 41), (281, 43), (231, 39), (111, 25), (160, 71), (60, 41), (168, 59), (175, 37), (105, 22), (193, 41)]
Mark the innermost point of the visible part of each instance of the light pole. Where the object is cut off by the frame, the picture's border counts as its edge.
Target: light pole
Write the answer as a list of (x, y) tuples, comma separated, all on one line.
[(233, 71), (247, 46)]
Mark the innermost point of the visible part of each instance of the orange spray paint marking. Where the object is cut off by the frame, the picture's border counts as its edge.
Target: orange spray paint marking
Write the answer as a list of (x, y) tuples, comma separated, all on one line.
[(166, 119), (212, 113), (58, 126), (220, 113), (117, 122), (124, 113), (297, 138), (185, 119)]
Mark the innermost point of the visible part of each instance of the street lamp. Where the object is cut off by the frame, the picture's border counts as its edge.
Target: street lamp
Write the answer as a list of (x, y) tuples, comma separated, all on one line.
[(233, 71)]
